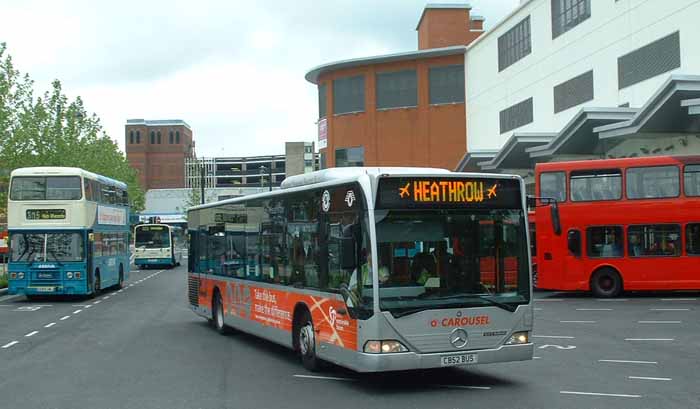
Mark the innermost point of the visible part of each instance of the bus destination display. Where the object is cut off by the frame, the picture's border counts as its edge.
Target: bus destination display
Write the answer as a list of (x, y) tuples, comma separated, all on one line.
[(46, 214), (403, 192)]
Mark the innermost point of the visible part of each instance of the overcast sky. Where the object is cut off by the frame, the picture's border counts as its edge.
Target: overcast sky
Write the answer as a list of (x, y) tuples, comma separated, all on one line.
[(234, 70)]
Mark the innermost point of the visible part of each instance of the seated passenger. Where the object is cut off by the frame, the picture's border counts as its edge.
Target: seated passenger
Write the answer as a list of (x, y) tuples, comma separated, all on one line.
[(423, 268)]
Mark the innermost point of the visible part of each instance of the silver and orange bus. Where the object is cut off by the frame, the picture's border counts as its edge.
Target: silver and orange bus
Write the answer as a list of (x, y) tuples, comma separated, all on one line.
[(295, 266)]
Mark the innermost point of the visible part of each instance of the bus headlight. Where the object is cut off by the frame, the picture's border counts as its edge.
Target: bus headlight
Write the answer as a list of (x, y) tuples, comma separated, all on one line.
[(20, 276), (69, 275), (522, 337), (384, 347)]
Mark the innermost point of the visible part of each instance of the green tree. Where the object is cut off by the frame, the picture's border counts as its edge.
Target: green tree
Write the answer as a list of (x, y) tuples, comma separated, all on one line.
[(53, 131)]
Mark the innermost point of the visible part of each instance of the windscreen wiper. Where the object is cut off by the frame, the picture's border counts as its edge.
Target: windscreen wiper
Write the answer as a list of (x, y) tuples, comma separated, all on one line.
[(507, 307), (399, 314)]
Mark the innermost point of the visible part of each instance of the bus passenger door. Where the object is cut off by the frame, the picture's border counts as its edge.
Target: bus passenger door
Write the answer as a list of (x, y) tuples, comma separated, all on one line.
[(573, 271)]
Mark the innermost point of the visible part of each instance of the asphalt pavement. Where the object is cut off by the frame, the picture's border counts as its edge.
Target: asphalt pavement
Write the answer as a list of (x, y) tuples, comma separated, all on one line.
[(142, 347)]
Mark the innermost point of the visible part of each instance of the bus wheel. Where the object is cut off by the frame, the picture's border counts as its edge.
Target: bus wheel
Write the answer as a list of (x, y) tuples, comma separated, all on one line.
[(307, 342), (121, 277), (606, 283), (218, 315)]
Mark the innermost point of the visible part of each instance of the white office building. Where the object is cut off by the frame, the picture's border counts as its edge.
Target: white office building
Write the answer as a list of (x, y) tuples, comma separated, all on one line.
[(573, 79)]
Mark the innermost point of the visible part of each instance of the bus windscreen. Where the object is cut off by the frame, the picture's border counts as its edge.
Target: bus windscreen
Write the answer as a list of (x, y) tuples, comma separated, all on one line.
[(152, 237)]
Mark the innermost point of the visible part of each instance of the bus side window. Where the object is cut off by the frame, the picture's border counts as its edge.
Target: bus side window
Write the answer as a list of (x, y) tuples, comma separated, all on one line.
[(574, 242)]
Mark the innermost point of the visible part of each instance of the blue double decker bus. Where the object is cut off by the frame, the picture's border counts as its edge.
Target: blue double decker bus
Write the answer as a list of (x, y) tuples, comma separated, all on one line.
[(69, 232)]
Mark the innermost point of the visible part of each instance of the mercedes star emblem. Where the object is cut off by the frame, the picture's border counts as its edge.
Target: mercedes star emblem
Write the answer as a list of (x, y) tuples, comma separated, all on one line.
[(459, 338)]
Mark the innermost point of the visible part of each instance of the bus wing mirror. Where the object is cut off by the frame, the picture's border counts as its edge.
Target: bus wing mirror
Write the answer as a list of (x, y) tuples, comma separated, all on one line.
[(348, 253), (531, 202), (556, 221)]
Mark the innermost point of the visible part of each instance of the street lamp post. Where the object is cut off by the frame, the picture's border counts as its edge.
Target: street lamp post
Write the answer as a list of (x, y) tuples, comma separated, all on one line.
[(201, 183)]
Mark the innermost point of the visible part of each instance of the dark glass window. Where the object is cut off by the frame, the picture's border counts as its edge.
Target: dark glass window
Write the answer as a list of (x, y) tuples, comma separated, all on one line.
[(350, 157), (653, 59), (516, 116), (177, 137), (138, 137), (514, 44), (553, 185), (153, 138), (397, 89), (653, 182), (446, 84), (567, 14), (654, 240), (322, 100), (692, 239), (573, 92), (691, 176), (589, 185), (349, 95), (171, 138), (604, 241), (131, 137), (159, 140), (46, 188), (322, 160)]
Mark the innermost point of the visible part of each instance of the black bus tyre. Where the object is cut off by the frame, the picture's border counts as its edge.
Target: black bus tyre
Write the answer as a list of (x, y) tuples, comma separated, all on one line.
[(120, 285), (307, 343), (606, 283), (218, 315)]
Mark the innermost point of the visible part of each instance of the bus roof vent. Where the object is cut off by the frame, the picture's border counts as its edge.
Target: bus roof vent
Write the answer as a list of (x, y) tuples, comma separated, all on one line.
[(328, 175)]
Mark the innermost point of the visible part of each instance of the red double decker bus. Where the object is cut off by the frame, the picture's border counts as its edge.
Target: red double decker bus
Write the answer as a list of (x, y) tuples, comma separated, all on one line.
[(609, 225)]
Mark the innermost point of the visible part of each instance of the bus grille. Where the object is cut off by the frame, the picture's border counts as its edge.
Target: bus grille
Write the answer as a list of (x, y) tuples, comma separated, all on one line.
[(45, 278), (193, 290)]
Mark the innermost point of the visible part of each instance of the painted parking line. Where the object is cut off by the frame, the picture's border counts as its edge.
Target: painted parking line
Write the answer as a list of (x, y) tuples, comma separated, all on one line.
[(49, 325), (549, 299), (554, 336), (31, 334), (594, 309), (88, 306), (10, 344), (679, 299), (538, 309), (483, 388), (649, 339), (659, 322), (669, 309), (622, 361), (612, 299), (612, 395), (578, 322), (328, 378), (77, 311), (65, 317), (648, 378)]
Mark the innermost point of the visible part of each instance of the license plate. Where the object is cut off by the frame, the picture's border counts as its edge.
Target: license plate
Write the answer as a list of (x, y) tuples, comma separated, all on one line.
[(463, 359), (45, 289)]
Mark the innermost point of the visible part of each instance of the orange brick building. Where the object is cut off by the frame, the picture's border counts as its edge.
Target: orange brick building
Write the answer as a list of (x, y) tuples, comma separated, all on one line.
[(157, 149), (403, 109)]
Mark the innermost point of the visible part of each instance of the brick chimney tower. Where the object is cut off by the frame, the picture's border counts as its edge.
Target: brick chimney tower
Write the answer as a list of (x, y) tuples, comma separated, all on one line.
[(444, 25)]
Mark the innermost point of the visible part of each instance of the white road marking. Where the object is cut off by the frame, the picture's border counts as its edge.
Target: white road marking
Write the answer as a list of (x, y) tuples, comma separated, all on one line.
[(538, 309), (621, 361), (97, 302), (658, 322), (131, 285), (484, 388), (613, 395), (330, 378), (593, 309), (553, 336), (31, 334), (612, 299), (577, 322), (548, 299), (88, 306), (647, 378), (679, 299), (76, 311), (649, 339), (10, 344), (120, 291), (49, 325), (669, 309), (536, 357), (65, 318)]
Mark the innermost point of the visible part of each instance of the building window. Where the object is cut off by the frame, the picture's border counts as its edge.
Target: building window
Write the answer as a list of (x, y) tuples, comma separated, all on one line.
[(514, 44), (131, 137), (654, 240), (553, 185), (349, 95), (397, 89), (153, 137), (350, 157), (446, 84), (159, 140), (653, 182), (308, 149), (516, 116), (573, 92), (177, 137), (692, 239), (322, 100), (138, 137), (567, 14), (649, 61), (171, 138), (592, 185), (691, 176), (604, 241), (322, 160)]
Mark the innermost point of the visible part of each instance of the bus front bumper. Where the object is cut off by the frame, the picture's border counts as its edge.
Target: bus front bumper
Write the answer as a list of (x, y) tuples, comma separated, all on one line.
[(153, 261), (76, 288), (411, 360)]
